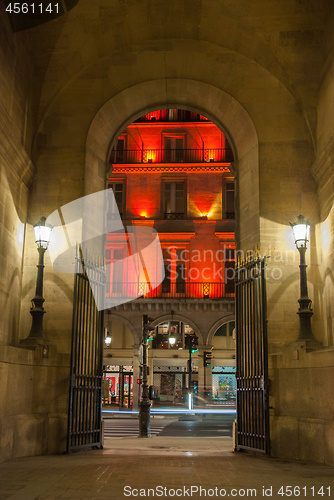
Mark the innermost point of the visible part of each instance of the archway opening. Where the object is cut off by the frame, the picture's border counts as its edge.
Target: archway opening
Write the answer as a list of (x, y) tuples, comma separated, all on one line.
[(171, 170)]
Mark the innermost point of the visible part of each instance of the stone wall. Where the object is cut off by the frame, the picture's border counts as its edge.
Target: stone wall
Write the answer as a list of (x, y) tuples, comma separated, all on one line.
[(301, 389), (33, 402), (301, 415), (33, 390)]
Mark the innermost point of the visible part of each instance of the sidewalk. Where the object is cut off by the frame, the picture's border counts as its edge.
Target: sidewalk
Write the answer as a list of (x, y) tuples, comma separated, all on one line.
[(171, 467)]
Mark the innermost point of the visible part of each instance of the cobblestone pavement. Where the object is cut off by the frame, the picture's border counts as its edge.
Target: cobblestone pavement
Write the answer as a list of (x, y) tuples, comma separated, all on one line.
[(162, 468)]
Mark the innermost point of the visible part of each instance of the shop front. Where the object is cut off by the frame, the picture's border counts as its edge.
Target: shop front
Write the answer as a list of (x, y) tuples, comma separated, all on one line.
[(118, 386)]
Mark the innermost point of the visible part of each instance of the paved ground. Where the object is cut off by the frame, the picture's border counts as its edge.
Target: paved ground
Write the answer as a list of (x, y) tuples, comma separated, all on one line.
[(169, 467)]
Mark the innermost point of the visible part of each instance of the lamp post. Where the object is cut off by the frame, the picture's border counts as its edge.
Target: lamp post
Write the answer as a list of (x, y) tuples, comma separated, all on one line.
[(144, 405), (42, 237), (107, 339), (301, 233)]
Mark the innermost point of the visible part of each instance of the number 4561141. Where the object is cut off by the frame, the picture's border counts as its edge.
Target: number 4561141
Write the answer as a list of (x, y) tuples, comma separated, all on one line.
[(24, 8), (297, 491)]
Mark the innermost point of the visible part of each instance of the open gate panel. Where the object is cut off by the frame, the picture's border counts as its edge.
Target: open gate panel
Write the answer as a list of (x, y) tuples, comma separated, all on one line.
[(252, 358)]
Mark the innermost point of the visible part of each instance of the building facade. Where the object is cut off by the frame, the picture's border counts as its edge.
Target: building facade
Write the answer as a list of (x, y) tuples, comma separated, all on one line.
[(171, 172)]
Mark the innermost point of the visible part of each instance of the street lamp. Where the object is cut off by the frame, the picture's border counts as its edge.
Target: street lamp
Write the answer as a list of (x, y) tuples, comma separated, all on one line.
[(108, 338), (301, 233), (42, 232)]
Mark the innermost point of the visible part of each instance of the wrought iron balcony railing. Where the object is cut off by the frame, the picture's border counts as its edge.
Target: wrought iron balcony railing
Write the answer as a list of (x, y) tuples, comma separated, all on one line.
[(172, 115), (173, 216), (167, 289), (230, 215), (219, 155)]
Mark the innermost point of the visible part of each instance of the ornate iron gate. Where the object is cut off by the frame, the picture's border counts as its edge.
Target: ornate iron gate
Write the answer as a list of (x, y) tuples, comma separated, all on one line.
[(252, 357), (85, 399)]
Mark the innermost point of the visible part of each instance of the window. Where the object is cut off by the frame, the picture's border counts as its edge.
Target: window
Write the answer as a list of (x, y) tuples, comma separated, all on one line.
[(180, 269), (118, 154), (114, 262), (174, 200), (175, 271), (225, 330), (229, 200), (117, 204), (174, 149)]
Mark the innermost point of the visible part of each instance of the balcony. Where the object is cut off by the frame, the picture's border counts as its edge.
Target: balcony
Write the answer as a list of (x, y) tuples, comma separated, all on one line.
[(174, 216), (170, 290), (172, 115), (216, 155)]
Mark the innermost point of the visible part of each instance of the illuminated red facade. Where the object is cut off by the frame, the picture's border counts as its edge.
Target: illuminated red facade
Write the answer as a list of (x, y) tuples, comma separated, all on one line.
[(171, 172)]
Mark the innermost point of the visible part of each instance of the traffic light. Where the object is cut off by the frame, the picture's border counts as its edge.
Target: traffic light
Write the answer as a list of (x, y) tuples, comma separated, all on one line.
[(207, 358), (146, 322), (193, 343), (146, 326)]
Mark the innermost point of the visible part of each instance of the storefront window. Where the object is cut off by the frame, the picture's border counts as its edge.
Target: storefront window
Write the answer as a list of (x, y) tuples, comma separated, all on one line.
[(118, 386)]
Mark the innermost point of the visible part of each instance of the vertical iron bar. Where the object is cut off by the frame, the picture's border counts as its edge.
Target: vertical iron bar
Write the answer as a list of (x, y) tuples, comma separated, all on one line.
[(88, 349), (265, 360), (78, 366), (72, 377)]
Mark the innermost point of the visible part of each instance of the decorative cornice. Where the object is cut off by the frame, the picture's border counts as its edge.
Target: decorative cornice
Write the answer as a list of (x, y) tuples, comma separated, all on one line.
[(175, 236), (184, 306), (225, 236), (161, 167)]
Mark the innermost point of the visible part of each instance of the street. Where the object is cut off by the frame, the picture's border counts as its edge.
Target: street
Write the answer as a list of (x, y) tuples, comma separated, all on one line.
[(183, 426)]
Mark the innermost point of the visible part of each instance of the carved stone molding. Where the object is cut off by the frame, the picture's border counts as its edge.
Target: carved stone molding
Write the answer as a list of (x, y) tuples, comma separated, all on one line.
[(186, 306)]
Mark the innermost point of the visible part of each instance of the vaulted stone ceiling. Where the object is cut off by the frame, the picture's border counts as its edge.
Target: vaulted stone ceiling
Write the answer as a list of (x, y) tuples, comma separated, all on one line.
[(247, 48)]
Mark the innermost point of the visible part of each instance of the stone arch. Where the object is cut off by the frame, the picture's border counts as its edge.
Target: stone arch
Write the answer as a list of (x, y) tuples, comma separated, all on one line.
[(216, 325), (180, 317), (135, 334), (220, 107)]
